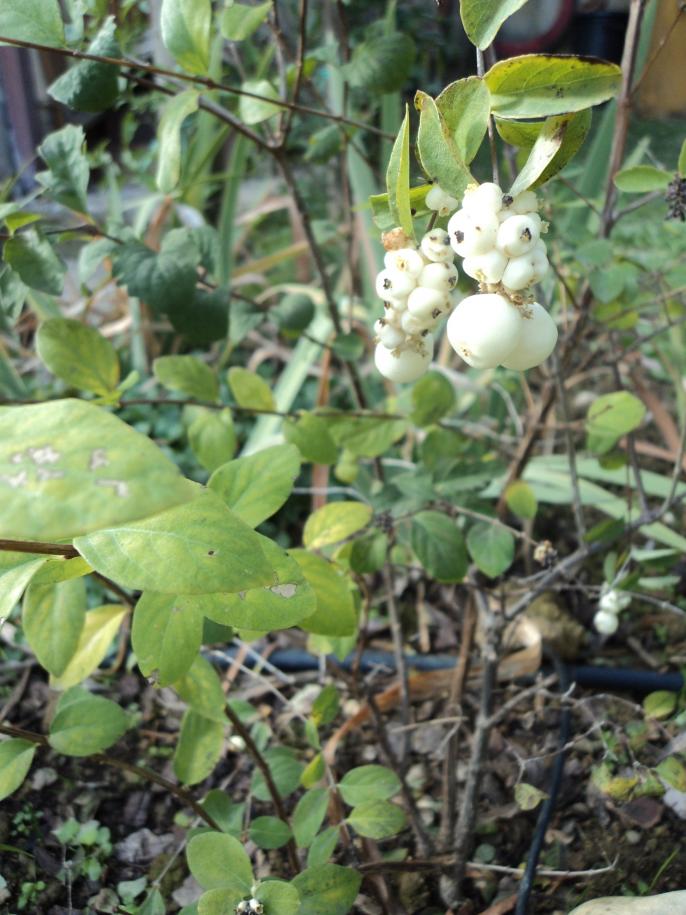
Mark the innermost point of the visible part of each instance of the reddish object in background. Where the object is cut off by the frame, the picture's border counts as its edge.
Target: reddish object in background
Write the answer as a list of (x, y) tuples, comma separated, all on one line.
[(513, 41)]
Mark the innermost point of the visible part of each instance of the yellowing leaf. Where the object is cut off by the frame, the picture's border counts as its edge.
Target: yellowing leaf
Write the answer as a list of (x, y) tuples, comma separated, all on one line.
[(335, 522), (99, 629)]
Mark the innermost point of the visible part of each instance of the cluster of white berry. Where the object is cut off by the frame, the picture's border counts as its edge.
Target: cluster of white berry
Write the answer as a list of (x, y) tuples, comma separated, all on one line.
[(499, 239), (249, 907), (415, 287), (610, 605)]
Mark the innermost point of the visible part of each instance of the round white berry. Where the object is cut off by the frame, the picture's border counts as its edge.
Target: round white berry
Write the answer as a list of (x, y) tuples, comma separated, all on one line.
[(526, 202), (486, 198), (406, 366), (606, 623), (435, 246), (411, 324), (473, 233), (389, 335), (487, 268), (404, 260), (518, 234), (439, 200), (536, 342), (519, 273), (440, 275), (243, 906), (392, 285), (484, 329), (423, 302), (614, 601)]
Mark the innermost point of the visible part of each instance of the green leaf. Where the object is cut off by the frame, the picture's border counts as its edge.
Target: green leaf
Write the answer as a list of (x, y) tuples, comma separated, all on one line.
[(491, 547), (377, 819), (99, 629), (528, 797), (250, 390), (640, 179), (329, 888), (286, 601), (187, 374), (256, 110), (521, 500), (438, 153), (285, 771), (165, 637), (201, 689), (85, 724), (32, 20), (278, 897), (219, 861), (185, 26), (547, 146), (482, 18), (154, 904), (610, 417), (89, 85), (224, 812), (681, 165), (255, 487), (269, 832), (174, 114), (464, 106), (382, 63), (197, 548), (53, 617), (165, 280), (211, 435), (398, 178), (673, 771), (433, 397), (220, 901), (335, 522), (35, 261), (311, 437), (524, 134), (368, 554), (363, 435), (79, 355), (309, 815), (660, 704), (85, 468), (323, 846), (199, 748), (16, 571), (16, 757), (368, 783), (335, 614), (239, 21), (66, 180), (608, 282), (439, 546), (538, 85), (326, 706)]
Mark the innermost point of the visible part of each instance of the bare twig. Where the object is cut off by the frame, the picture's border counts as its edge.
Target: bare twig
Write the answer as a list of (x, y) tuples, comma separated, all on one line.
[(577, 504), (398, 652)]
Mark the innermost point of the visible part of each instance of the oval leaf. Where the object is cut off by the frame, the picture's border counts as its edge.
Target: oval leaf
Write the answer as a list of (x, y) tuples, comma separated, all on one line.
[(439, 546), (482, 18), (99, 629), (335, 522), (491, 547), (217, 860), (79, 355), (16, 757), (85, 724)]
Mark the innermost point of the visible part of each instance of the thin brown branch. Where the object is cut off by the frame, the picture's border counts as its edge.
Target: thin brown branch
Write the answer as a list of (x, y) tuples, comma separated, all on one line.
[(39, 547)]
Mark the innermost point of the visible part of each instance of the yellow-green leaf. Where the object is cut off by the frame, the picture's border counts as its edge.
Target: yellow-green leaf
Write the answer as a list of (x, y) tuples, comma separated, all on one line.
[(335, 522), (99, 628)]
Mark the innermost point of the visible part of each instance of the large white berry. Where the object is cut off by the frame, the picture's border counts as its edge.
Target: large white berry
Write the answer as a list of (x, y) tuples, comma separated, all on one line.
[(407, 365), (484, 329), (526, 202), (388, 334), (404, 260), (411, 324), (606, 623), (519, 234), (473, 233), (486, 198), (425, 303), (440, 275), (519, 273), (435, 246), (536, 341), (439, 200), (487, 268), (392, 285), (614, 601)]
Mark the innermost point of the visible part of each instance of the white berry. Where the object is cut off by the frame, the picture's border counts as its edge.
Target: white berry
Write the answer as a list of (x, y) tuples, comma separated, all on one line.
[(406, 366), (404, 260), (389, 335), (487, 268), (606, 623), (423, 302), (614, 601), (518, 234), (487, 197), (392, 285), (440, 275), (435, 246), (411, 324), (536, 342), (484, 329), (473, 233), (519, 273), (439, 200), (526, 202)]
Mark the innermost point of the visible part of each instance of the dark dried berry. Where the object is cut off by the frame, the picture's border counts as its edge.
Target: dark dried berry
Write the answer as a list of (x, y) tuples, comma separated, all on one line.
[(676, 198)]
